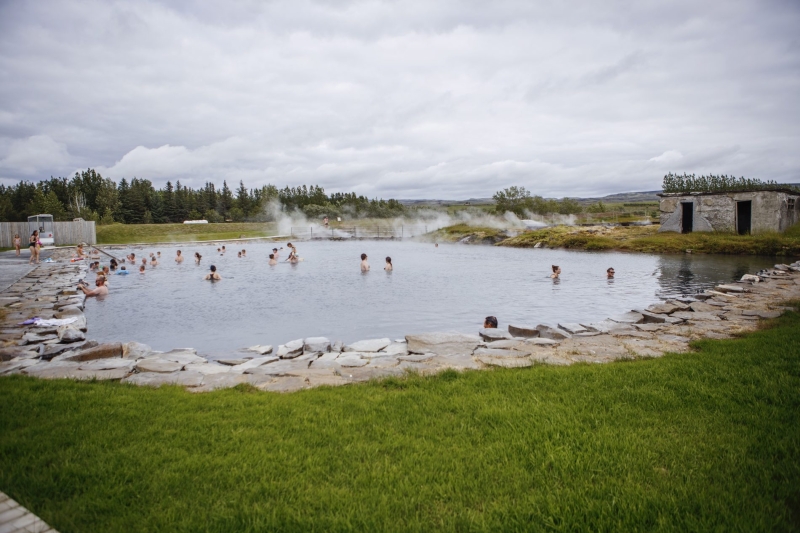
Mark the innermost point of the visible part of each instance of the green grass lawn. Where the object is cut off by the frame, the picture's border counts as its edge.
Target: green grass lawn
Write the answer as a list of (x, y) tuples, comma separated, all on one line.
[(705, 441), (145, 233)]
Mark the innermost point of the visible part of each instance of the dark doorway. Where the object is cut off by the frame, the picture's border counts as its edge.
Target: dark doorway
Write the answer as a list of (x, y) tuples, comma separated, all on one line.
[(744, 212), (687, 220)]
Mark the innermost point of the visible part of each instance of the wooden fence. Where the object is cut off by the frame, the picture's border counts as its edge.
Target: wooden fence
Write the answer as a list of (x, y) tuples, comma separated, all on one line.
[(64, 233)]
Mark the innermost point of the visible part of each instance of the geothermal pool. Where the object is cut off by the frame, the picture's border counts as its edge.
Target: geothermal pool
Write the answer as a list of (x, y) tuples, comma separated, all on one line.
[(449, 288)]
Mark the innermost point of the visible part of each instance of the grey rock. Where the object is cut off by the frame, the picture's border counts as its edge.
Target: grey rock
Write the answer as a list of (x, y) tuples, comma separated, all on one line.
[(506, 362), (443, 343), (351, 360), (523, 331), (730, 289), (68, 334), (370, 345), (541, 341), (291, 349), (396, 348), (494, 334), (664, 308), (30, 338), (552, 333), (287, 367), (508, 344), (183, 356), (7, 354), (492, 352), (158, 365), (207, 369), (157, 379), (253, 363), (781, 267), (108, 364), (223, 381), (102, 351), (233, 362), (135, 350), (762, 314), (368, 355), (337, 346), (316, 344), (285, 384), (69, 311), (689, 315), (54, 351), (573, 328), (629, 318), (701, 307), (652, 318), (261, 349), (419, 358), (14, 367)]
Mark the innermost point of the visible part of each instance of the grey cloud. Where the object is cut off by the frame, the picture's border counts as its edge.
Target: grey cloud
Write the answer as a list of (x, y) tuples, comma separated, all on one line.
[(404, 99)]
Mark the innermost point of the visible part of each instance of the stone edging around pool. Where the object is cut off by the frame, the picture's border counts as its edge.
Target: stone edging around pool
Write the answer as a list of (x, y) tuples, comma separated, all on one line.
[(63, 352)]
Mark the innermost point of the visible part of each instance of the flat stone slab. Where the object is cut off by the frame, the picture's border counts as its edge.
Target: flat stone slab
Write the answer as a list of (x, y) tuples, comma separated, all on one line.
[(157, 379), (102, 351), (234, 362), (370, 345), (730, 288), (351, 360), (664, 308), (316, 344), (184, 357), (505, 362), (573, 328), (261, 349), (108, 364), (519, 330), (396, 348), (442, 343), (689, 315), (289, 367), (222, 381), (135, 350), (629, 318), (291, 349), (419, 358), (761, 314), (208, 368), (491, 352), (494, 334), (158, 365), (253, 363), (548, 332)]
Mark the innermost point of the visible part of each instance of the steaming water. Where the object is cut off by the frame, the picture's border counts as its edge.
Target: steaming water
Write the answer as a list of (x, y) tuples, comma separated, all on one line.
[(449, 288)]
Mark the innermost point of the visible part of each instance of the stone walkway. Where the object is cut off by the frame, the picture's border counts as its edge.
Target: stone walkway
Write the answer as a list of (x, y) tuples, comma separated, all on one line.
[(13, 268), (57, 352), (14, 518)]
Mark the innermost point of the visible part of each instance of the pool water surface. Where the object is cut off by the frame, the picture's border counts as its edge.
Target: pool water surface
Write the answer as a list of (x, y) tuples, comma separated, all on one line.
[(449, 288)]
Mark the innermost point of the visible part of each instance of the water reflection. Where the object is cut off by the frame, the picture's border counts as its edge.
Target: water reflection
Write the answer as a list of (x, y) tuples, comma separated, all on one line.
[(685, 275)]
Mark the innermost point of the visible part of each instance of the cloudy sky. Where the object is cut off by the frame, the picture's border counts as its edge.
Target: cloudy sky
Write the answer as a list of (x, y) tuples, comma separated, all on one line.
[(404, 99)]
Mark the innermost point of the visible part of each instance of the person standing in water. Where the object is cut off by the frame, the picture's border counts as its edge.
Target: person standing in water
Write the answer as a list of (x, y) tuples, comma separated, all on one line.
[(213, 275), (388, 267), (197, 257), (179, 257), (364, 264), (610, 273), (556, 272), (272, 260)]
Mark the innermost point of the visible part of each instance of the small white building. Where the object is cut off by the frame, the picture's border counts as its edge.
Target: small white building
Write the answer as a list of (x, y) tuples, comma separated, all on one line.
[(742, 212)]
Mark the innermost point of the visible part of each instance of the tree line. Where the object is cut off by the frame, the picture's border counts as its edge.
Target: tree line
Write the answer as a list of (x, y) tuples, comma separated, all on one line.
[(519, 201), (90, 196), (686, 183)]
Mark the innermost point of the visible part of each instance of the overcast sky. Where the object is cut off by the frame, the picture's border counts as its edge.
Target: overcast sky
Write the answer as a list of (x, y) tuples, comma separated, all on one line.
[(403, 99)]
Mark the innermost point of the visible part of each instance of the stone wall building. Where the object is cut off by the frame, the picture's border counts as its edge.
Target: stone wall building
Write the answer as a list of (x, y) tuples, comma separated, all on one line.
[(741, 211)]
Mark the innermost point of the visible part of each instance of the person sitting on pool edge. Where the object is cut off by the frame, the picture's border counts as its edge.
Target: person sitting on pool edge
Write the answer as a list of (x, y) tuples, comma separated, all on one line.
[(101, 289), (610, 273), (556, 272), (364, 264), (213, 275), (272, 260), (178, 257), (490, 322)]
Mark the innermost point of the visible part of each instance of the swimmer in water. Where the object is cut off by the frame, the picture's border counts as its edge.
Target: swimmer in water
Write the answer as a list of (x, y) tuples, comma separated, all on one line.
[(153, 261), (197, 257), (179, 257), (275, 253), (272, 260), (144, 261), (610, 273), (244, 252), (114, 264), (239, 255), (388, 267), (131, 257), (556, 272), (141, 269), (223, 249), (364, 264), (490, 322), (213, 275), (101, 289)]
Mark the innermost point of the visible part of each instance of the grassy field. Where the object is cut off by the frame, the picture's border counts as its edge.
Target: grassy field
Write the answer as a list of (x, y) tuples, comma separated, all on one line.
[(705, 441), (637, 239), (135, 233)]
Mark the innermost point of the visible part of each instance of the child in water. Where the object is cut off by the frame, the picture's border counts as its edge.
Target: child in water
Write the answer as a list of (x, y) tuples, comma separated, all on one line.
[(197, 257), (556, 272), (388, 267), (364, 264), (272, 260)]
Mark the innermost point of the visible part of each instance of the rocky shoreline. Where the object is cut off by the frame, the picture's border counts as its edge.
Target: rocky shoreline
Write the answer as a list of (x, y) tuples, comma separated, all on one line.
[(57, 347)]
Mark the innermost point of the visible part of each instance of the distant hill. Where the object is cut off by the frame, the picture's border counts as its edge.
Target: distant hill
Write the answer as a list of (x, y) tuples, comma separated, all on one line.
[(618, 198)]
